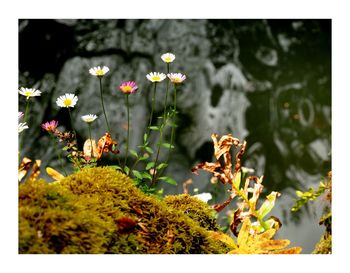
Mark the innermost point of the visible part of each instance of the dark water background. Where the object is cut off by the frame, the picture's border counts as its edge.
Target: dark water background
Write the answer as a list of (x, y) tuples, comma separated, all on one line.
[(265, 81)]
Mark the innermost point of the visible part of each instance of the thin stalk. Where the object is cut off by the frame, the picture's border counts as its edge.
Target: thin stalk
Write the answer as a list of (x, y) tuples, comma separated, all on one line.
[(92, 148), (166, 93), (128, 131), (152, 109), (71, 124), (103, 107), (173, 128), (21, 137), (58, 154), (74, 132)]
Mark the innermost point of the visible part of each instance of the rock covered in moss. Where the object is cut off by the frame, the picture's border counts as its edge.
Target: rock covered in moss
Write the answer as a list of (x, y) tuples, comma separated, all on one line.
[(99, 210)]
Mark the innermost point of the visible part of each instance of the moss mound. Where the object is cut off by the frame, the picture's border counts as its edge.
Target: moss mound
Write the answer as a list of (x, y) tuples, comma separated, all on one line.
[(99, 210), (195, 209)]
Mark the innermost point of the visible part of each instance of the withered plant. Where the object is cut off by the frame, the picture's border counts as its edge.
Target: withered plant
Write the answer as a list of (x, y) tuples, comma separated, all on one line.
[(247, 194)]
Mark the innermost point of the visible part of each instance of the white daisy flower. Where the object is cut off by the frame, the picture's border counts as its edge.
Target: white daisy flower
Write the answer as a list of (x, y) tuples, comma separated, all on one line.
[(155, 76), (205, 196), (29, 92), (67, 100), (98, 71), (168, 57), (176, 77), (89, 118), (22, 126)]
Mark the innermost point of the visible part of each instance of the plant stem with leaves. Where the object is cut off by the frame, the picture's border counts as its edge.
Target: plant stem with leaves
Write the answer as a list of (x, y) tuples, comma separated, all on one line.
[(172, 131)]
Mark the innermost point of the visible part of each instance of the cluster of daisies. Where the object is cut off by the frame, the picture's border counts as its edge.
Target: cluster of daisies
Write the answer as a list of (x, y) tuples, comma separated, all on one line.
[(129, 87), (175, 78), (69, 100)]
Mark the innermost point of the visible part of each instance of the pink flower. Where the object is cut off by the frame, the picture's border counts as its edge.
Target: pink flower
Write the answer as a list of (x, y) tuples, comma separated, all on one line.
[(50, 126), (129, 87), (176, 78), (20, 115)]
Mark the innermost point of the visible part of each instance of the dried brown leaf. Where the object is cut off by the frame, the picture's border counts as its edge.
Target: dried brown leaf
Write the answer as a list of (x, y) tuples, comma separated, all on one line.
[(105, 145), (23, 168), (185, 185), (35, 169), (90, 149)]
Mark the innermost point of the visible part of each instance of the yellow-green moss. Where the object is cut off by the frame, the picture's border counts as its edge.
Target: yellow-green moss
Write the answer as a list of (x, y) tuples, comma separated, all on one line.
[(195, 209), (99, 210), (324, 246)]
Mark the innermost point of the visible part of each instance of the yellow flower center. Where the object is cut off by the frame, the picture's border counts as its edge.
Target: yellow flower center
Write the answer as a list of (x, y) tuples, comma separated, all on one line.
[(67, 102), (99, 72), (127, 88), (167, 59), (156, 78), (28, 94)]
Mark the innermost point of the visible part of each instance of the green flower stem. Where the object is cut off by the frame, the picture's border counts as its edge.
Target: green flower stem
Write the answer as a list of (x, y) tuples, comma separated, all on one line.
[(173, 128), (26, 111), (71, 124), (166, 94), (103, 107), (74, 132), (57, 152), (152, 109), (128, 132), (92, 149)]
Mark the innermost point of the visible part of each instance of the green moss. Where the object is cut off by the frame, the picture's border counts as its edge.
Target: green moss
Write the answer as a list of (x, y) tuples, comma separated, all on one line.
[(99, 210)]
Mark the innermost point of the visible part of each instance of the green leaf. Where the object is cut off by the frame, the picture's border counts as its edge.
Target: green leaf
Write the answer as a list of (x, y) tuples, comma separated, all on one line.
[(168, 146), (134, 153), (126, 170), (114, 147), (146, 175), (155, 128), (145, 137), (149, 149), (171, 124), (115, 167), (150, 165), (268, 204), (299, 193), (168, 180), (161, 166), (137, 174), (65, 148), (144, 157)]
